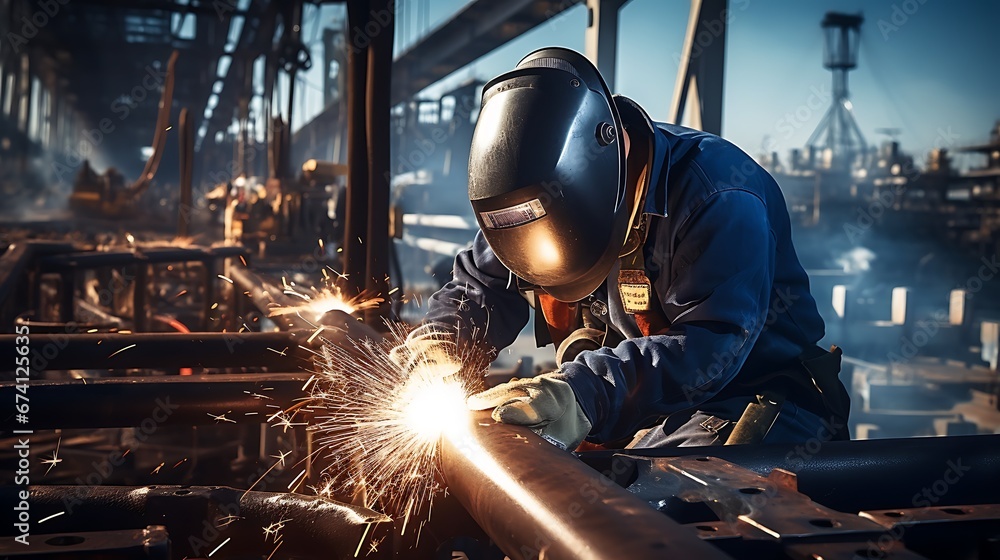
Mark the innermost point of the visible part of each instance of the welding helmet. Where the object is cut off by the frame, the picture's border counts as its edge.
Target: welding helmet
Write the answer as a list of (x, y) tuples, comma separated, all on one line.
[(547, 173)]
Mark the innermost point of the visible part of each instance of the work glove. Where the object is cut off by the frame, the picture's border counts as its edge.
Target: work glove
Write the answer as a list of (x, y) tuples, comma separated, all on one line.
[(429, 350), (545, 403)]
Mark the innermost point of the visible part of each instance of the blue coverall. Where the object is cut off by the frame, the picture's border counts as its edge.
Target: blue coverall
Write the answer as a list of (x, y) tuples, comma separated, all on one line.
[(720, 258)]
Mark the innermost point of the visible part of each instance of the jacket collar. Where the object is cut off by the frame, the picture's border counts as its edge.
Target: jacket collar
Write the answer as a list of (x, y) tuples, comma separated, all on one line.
[(635, 118)]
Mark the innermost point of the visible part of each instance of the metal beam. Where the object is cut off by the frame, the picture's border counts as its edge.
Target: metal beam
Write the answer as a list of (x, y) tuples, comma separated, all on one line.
[(536, 500), (602, 37), (202, 518), (160, 351), (702, 66), (356, 222), (379, 138), (188, 400), (471, 33), (852, 475)]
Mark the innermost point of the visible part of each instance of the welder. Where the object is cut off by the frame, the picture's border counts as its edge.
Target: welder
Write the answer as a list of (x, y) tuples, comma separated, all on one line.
[(657, 258)]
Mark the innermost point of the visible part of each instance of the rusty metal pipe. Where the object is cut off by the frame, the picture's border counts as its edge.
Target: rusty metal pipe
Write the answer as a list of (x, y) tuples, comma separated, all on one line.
[(536, 501)]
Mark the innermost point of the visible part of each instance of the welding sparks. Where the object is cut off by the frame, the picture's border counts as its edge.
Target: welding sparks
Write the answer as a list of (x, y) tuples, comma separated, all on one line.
[(225, 521), (386, 422), (53, 516), (274, 529), (120, 350), (55, 460), (275, 549), (281, 456), (220, 418), (220, 546), (320, 302)]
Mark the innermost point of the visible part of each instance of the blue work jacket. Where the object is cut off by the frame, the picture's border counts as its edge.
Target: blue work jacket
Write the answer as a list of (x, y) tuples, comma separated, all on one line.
[(720, 258)]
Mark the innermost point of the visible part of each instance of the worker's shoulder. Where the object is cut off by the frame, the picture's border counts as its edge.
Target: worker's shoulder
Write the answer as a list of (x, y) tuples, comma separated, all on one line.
[(703, 164)]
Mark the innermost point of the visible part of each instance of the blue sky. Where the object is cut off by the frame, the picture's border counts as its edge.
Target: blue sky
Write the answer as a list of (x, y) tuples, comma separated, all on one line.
[(927, 67)]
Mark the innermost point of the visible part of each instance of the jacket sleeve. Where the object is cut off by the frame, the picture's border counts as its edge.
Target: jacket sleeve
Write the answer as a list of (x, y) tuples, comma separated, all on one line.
[(481, 302), (716, 299)]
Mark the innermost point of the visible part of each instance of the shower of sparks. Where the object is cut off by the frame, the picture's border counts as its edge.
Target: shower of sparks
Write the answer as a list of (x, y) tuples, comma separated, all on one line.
[(309, 382), (274, 530), (120, 350), (226, 278), (275, 550), (220, 546), (312, 337), (386, 422), (284, 421), (157, 471), (293, 484), (281, 456), (323, 301), (362, 541), (55, 460), (220, 417), (225, 521), (53, 516)]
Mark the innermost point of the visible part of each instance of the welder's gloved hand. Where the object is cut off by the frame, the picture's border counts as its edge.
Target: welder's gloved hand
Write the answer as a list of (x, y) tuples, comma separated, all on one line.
[(429, 350), (545, 403)]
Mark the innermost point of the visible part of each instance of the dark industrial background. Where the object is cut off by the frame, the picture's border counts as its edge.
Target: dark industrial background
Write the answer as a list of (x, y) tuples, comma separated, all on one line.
[(171, 171)]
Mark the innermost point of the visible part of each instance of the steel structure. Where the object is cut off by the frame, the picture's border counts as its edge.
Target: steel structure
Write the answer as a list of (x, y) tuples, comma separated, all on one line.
[(151, 443), (702, 66), (843, 138)]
